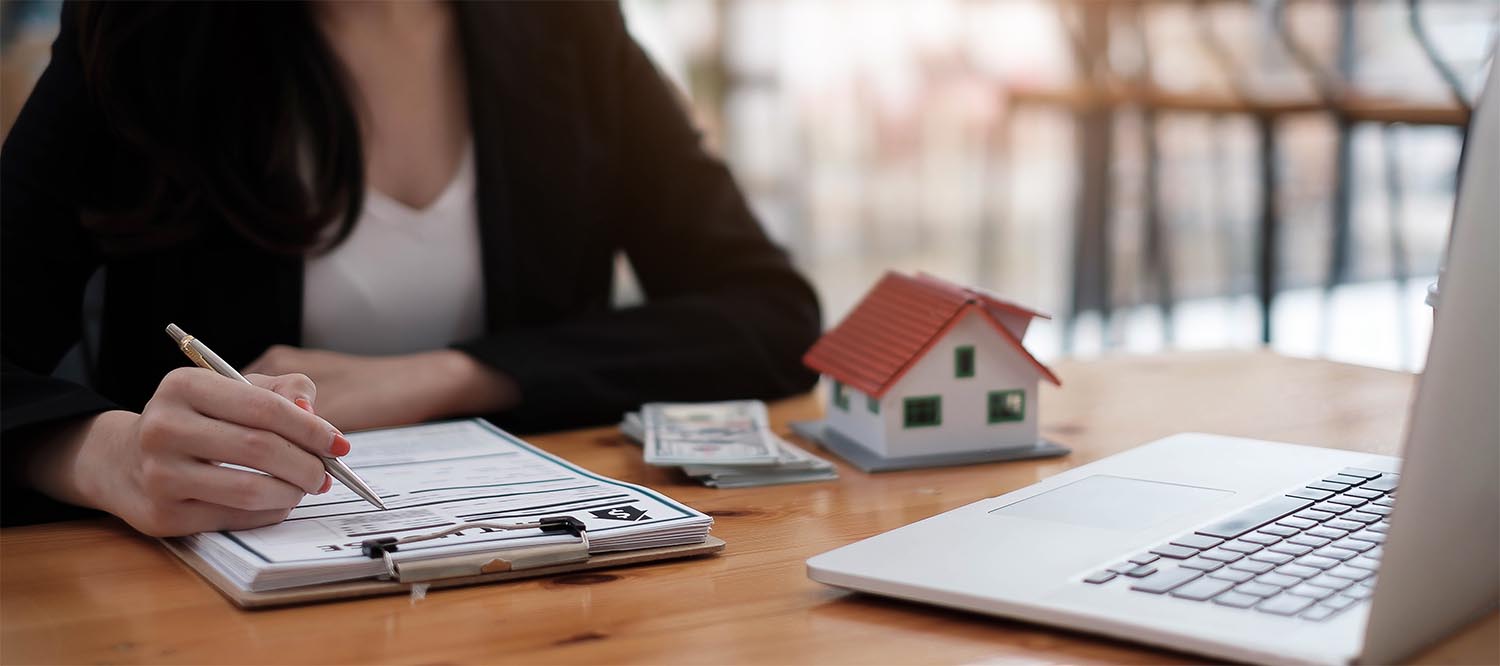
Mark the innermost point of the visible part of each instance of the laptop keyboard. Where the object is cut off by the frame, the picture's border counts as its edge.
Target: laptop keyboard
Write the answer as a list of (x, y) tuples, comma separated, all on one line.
[(1311, 553)]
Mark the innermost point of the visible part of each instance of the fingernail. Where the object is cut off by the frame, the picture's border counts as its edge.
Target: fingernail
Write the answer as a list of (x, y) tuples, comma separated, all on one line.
[(305, 404), (340, 446), (327, 484)]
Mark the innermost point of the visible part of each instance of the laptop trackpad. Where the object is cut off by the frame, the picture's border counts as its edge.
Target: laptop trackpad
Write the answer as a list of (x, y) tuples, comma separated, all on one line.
[(1113, 502)]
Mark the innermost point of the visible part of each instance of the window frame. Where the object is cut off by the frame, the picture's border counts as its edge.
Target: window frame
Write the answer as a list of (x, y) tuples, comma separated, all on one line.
[(840, 396), (989, 406), (961, 352), (937, 412)]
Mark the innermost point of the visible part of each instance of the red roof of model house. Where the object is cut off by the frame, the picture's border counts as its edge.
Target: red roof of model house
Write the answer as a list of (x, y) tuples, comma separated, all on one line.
[(899, 320)]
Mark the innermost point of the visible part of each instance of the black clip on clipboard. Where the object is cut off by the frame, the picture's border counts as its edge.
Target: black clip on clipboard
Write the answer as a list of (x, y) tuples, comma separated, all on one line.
[(422, 570)]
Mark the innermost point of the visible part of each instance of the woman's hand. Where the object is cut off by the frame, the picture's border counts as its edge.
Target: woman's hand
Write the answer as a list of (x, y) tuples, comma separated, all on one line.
[(359, 392), (159, 471)]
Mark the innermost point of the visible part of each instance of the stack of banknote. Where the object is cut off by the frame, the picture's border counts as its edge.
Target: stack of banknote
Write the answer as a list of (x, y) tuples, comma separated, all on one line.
[(722, 444)]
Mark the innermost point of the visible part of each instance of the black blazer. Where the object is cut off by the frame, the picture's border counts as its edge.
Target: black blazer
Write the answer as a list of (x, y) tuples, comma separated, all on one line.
[(582, 150)]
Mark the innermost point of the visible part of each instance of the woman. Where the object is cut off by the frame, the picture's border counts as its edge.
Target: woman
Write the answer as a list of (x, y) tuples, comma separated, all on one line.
[(392, 212)]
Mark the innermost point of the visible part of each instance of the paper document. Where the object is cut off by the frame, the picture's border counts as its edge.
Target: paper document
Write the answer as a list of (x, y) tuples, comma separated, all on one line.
[(438, 476)]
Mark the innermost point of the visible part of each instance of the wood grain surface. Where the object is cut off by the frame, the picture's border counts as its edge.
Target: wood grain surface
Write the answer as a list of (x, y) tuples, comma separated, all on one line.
[(93, 592)]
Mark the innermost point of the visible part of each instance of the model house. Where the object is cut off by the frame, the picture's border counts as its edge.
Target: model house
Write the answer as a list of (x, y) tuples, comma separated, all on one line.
[(924, 367)]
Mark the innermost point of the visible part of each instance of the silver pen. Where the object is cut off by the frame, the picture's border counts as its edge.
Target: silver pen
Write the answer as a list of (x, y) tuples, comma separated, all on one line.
[(206, 358)]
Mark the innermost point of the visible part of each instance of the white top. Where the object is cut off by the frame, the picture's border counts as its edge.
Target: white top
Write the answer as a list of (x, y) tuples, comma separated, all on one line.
[(404, 281)]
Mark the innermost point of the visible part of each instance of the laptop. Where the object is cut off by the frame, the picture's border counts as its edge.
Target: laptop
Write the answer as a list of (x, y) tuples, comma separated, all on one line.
[(1251, 550)]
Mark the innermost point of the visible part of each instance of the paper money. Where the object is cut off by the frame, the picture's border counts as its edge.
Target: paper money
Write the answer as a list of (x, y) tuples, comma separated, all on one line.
[(788, 458), (791, 465), (794, 466), (735, 433)]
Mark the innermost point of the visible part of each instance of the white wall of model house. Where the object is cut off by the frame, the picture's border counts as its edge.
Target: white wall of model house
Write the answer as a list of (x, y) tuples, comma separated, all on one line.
[(965, 424)]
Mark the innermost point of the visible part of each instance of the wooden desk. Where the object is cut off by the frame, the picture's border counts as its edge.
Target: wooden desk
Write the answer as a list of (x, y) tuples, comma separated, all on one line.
[(91, 592)]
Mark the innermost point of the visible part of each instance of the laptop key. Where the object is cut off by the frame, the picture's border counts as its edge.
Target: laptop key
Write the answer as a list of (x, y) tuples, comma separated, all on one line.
[(1268, 557), (1364, 563), (1375, 553), (1327, 533), (1174, 552), (1332, 508), (1311, 591), (1255, 516), (1311, 493), (1299, 523), (1330, 582), (1343, 524), (1141, 571), (1298, 570), (1265, 537), (1309, 540), (1202, 589), (1223, 555), (1314, 515), (1232, 575), (1338, 602), (1377, 510), (1317, 562), (1292, 549), (1201, 564), (1324, 485), (1348, 500), (1145, 558), (1362, 517), (1101, 577), (1197, 541), (1235, 599), (1360, 472), (1257, 589), (1378, 527), (1384, 501), (1317, 613), (1356, 545), (1350, 573), (1359, 592), (1344, 479), (1386, 482), (1279, 580), (1336, 553), (1252, 565), (1365, 493), (1242, 545), (1284, 604), (1166, 580)]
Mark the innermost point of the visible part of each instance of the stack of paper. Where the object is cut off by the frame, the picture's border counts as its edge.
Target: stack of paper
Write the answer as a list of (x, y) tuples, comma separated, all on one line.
[(722, 444), (435, 477)]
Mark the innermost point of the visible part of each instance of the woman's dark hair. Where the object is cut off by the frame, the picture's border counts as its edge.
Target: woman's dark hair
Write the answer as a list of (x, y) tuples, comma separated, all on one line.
[(229, 111)]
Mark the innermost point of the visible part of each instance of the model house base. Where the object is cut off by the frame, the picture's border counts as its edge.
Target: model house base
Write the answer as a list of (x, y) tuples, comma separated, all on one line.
[(870, 461)]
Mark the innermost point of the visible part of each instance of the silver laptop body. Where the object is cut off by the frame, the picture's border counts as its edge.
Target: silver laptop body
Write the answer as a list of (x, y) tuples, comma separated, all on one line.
[(1398, 554)]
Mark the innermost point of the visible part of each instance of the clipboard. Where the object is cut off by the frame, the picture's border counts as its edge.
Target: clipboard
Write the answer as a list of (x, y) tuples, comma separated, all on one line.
[(456, 571)]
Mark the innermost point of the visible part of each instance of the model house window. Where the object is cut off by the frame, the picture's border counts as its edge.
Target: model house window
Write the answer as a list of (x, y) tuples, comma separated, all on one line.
[(873, 404), (963, 361), (1007, 406), (840, 397), (923, 411)]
